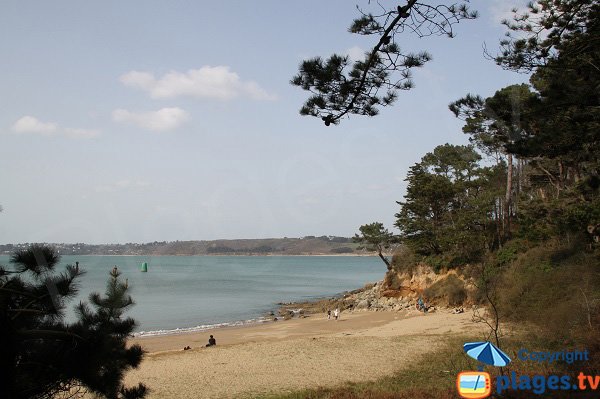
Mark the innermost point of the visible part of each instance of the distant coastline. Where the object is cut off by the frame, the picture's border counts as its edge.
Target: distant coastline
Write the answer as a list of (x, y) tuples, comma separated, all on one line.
[(366, 254), (304, 246)]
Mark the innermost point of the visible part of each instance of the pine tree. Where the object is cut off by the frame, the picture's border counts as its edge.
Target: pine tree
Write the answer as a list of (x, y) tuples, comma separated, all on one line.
[(339, 86), (375, 237), (495, 125), (42, 355), (448, 209)]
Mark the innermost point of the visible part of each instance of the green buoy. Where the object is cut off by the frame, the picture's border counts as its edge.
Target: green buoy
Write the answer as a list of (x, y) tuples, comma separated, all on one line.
[(144, 267)]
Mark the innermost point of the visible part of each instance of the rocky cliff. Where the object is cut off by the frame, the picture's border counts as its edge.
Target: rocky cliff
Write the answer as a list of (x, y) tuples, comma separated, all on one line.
[(398, 291)]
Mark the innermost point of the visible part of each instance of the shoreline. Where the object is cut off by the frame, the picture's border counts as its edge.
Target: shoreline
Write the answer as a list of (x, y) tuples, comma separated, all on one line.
[(294, 354), (235, 334), (200, 329), (233, 255), (277, 313)]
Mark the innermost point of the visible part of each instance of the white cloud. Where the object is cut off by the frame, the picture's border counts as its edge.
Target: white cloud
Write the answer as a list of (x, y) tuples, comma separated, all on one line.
[(31, 125), (207, 82), (161, 120), (356, 53)]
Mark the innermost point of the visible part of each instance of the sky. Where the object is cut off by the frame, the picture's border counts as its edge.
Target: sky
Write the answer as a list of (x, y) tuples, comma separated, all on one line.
[(146, 120)]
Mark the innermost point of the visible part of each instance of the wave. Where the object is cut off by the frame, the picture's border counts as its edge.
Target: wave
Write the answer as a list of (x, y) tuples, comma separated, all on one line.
[(203, 327)]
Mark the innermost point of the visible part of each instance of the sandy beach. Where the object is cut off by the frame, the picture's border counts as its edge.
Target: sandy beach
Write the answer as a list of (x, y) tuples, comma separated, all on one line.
[(294, 354)]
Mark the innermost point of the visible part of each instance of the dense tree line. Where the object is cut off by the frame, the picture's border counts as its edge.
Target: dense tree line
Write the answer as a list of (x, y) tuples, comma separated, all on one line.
[(542, 140), (518, 210)]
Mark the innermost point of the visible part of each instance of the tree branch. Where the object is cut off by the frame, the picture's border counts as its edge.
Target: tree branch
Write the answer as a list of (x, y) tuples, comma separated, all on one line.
[(402, 14)]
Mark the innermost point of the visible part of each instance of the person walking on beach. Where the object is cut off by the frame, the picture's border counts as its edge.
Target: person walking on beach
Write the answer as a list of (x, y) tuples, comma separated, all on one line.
[(328, 314), (336, 313), (211, 341)]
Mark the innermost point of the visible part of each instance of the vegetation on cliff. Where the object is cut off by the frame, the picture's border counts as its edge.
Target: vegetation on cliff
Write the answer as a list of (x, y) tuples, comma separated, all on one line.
[(517, 212)]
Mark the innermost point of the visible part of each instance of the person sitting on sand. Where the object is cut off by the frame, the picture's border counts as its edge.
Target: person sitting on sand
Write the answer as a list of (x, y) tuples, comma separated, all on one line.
[(211, 341)]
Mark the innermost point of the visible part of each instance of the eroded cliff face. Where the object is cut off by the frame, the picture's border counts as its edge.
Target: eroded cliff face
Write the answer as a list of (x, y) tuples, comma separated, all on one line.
[(409, 284), (400, 290)]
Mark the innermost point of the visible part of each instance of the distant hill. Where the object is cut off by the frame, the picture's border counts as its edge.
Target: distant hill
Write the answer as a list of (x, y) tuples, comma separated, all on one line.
[(309, 245)]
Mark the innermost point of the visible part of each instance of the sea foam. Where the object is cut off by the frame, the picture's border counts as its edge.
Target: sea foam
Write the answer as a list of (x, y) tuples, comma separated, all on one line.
[(200, 328)]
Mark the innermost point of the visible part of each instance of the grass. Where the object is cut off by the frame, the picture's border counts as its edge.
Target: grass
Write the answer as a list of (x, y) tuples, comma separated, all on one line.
[(434, 376), (552, 297)]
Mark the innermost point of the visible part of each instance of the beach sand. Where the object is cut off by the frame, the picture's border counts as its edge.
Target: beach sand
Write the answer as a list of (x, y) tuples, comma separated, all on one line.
[(289, 355)]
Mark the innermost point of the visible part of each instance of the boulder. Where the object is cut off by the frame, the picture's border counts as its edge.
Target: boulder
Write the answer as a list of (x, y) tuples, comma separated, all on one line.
[(363, 304)]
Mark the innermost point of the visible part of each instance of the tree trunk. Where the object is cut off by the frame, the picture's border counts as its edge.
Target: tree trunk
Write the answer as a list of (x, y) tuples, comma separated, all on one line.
[(508, 197), (498, 223), (384, 259), (561, 177)]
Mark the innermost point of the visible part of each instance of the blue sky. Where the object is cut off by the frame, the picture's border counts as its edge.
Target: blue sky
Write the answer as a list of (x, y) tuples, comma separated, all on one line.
[(150, 120)]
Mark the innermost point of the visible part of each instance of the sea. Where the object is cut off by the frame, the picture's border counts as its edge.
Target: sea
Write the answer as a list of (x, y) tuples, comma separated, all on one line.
[(196, 293)]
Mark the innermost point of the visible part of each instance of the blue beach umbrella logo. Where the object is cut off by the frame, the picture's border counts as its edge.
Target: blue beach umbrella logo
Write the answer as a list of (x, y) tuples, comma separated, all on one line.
[(477, 384), (487, 353)]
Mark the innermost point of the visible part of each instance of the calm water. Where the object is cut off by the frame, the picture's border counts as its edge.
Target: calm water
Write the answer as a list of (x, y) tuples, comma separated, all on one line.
[(180, 292)]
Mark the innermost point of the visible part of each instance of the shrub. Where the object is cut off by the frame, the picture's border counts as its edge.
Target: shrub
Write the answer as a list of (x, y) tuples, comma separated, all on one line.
[(404, 260), (510, 251), (557, 290), (450, 289), (437, 262)]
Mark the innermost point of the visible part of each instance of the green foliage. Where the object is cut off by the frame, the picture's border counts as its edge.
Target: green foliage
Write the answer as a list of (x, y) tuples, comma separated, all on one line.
[(437, 262), (374, 237), (404, 259), (335, 86), (104, 328), (449, 204), (495, 122), (556, 289), (566, 217), (545, 30), (450, 289), (555, 125), (510, 251), (340, 87), (42, 355)]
